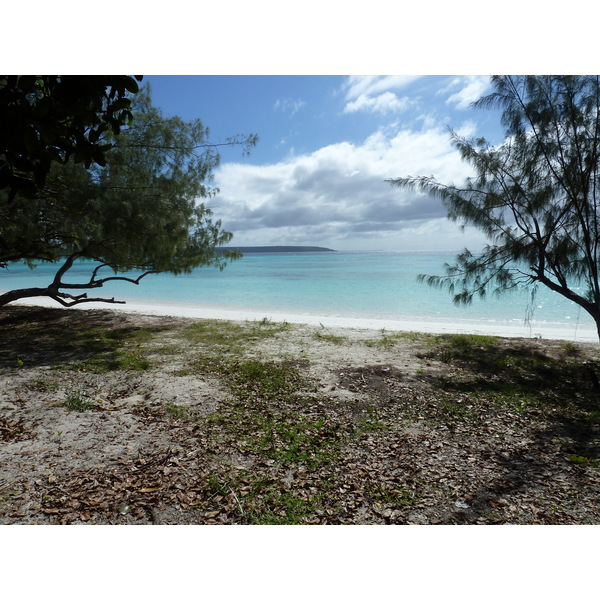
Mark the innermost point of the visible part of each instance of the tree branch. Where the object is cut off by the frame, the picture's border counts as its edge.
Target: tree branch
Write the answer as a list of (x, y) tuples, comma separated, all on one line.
[(81, 299), (65, 299), (60, 297)]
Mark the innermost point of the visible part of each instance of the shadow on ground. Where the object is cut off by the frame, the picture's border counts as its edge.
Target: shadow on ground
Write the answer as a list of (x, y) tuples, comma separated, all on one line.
[(36, 337)]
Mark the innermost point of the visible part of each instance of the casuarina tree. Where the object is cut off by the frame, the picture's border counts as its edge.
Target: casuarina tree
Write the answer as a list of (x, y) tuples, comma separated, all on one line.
[(47, 119), (143, 210), (536, 196)]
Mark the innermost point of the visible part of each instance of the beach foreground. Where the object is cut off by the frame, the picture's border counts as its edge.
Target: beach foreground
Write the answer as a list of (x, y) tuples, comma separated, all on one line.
[(112, 417)]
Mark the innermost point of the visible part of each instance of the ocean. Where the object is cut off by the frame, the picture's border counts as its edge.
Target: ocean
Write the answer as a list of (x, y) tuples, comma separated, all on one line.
[(351, 285)]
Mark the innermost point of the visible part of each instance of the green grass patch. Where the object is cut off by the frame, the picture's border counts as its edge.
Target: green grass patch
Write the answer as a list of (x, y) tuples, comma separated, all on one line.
[(311, 443), (372, 423), (269, 380), (100, 340), (265, 414), (491, 364), (387, 341), (254, 379), (457, 409), (593, 416), (570, 349), (515, 397), (231, 337), (75, 339), (330, 338), (132, 360), (394, 497), (283, 508), (176, 411), (43, 384), (78, 401), (384, 343), (268, 504), (121, 360), (583, 461), (462, 346), (286, 438)]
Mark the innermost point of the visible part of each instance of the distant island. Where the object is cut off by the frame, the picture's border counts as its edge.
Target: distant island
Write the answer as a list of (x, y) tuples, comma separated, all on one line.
[(259, 249)]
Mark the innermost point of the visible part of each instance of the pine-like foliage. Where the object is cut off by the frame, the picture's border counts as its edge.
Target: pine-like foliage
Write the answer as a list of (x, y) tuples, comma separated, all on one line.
[(535, 196), (143, 209)]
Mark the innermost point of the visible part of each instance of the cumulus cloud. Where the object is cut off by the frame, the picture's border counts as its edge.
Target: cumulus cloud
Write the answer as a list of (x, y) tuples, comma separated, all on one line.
[(372, 93), (369, 85), (337, 196), (384, 103), (472, 87)]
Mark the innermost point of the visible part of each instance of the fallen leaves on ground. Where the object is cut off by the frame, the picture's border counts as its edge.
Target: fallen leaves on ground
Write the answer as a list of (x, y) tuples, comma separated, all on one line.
[(357, 443)]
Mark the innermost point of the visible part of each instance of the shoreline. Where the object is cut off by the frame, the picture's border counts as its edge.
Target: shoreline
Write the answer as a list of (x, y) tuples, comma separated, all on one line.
[(535, 330)]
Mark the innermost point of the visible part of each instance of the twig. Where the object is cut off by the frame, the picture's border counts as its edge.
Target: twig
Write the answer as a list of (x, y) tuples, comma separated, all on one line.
[(236, 499)]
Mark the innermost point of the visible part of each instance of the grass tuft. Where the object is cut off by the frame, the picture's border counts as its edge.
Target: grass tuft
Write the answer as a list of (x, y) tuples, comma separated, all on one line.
[(331, 338), (78, 401)]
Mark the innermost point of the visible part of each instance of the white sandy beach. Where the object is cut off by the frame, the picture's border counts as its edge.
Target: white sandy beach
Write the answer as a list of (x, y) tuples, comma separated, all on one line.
[(517, 328)]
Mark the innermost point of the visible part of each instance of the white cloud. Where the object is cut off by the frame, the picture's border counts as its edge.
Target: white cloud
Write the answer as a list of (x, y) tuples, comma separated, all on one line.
[(368, 85), (372, 93), (384, 103), (337, 196), (467, 129), (291, 105), (472, 88)]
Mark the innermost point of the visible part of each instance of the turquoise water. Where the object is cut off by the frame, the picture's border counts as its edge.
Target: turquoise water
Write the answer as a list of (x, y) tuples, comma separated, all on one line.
[(365, 284)]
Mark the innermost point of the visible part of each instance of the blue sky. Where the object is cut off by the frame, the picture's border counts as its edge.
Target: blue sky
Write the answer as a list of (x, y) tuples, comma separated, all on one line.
[(327, 143)]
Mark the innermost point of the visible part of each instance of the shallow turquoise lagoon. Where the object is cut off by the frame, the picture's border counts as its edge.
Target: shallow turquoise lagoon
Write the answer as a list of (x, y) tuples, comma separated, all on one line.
[(353, 284)]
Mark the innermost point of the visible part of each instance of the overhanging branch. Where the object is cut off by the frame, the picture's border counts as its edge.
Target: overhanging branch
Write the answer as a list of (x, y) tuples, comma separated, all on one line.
[(55, 289), (62, 298), (97, 283)]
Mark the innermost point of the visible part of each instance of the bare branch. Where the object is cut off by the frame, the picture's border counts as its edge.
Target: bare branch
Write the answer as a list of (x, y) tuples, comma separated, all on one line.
[(61, 299)]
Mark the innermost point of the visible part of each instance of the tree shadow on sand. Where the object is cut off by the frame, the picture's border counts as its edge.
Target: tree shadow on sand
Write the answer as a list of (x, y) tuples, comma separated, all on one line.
[(552, 388), (37, 337)]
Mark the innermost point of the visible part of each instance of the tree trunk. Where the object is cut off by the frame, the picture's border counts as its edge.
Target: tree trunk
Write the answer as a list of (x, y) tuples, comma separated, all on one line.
[(591, 371)]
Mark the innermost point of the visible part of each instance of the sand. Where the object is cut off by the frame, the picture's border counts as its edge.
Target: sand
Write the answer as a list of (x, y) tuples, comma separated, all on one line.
[(137, 457), (514, 329)]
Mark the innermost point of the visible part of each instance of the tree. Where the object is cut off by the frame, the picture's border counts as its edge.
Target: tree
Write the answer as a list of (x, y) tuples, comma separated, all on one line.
[(48, 119), (139, 211), (536, 196)]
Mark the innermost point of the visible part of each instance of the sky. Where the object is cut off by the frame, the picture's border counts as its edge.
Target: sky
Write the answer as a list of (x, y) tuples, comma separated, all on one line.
[(326, 146), (327, 140)]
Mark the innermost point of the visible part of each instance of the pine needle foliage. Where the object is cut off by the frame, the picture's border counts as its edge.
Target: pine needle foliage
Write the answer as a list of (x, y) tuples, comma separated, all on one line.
[(535, 196), (143, 210)]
